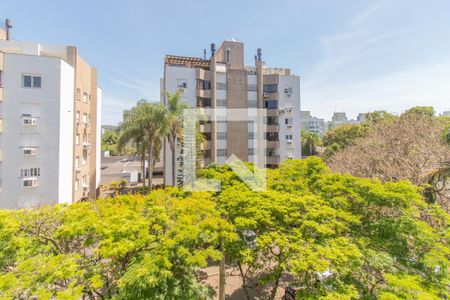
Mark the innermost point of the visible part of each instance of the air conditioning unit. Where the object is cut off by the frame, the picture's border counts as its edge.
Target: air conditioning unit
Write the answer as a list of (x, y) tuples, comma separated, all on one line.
[(266, 95), (290, 157), (85, 187), (288, 110), (289, 126), (289, 142), (86, 146), (29, 151), (27, 121), (29, 182)]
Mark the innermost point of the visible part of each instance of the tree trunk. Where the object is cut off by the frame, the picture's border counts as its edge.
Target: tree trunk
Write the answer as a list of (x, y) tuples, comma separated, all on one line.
[(174, 160), (150, 167), (143, 168), (244, 280), (275, 288), (222, 274)]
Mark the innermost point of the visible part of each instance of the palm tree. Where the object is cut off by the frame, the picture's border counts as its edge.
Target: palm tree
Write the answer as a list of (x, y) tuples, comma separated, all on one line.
[(146, 125), (175, 109), (130, 132), (310, 142)]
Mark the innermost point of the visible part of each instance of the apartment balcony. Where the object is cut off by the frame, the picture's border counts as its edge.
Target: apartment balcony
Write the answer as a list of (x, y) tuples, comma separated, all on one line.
[(271, 96), (272, 112), (273, 160), (272, 128), (203, 74), (204, 93), (272, 144)]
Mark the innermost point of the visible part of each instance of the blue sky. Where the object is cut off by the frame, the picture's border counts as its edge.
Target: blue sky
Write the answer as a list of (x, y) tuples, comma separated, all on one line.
[(352, 56)]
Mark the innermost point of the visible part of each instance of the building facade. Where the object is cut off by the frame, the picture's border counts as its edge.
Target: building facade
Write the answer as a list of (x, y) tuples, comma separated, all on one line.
[(50, 107), (224, 81), (312, 124)]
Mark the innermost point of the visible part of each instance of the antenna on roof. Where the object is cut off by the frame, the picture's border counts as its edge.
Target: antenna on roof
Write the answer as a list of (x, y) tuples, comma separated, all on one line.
[(213, 49), (204, 54), (8, 29), (259, 53)]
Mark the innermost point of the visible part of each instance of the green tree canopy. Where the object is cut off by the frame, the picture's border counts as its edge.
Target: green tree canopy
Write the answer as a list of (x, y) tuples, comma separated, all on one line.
[(336, 236)]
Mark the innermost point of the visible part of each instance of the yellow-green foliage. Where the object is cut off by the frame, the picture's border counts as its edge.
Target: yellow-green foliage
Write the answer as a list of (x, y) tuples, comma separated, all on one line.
[(340, 237)]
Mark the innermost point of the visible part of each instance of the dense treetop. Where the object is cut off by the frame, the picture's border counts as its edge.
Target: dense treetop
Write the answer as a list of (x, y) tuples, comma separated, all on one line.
[(337, 236)]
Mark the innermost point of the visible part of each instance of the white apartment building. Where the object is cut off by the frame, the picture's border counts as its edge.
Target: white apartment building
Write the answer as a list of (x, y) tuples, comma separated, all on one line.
[(224, 81), (49, 125)]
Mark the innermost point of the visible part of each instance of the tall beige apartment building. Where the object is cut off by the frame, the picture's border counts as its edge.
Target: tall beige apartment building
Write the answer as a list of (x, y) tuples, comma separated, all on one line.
[(50, 108), (224, 81)]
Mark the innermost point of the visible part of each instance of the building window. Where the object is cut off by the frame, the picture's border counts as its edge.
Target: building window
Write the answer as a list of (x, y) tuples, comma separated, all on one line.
[(221, 152), (207, 153), (203, 84), (29, 81), (288, 91), (85, 97), (77, 139), (271, 152), (271, 104), (251, 135), (221, 135), (78, 94), (207, 135), (1, 82), (85, 157), (222, 102), (77, 162), (288, 121), (251, 103), (221, 85), (77, 185), (271, 120), (272, 136), (251, 151), (251, 87), (182, 83), (85, 118), (203, 102), (32, 172), (270, 88), (289, 137)]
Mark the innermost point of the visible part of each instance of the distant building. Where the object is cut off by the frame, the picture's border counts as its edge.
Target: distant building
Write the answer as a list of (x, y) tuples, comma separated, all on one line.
[(312, 124), (446, 113), (49, 124), (362, 117)]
